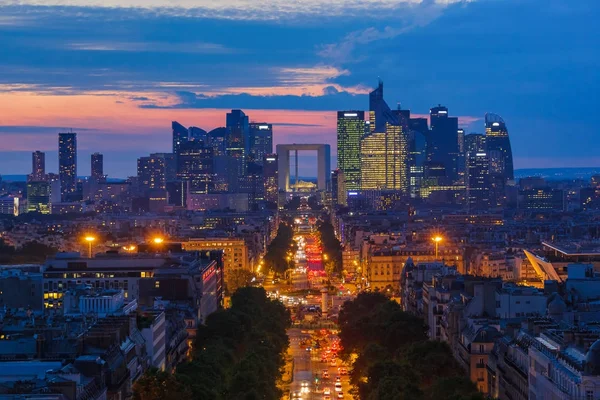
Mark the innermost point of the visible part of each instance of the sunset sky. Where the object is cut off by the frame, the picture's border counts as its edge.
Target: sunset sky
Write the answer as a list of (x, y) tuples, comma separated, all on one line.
[(118, 72)]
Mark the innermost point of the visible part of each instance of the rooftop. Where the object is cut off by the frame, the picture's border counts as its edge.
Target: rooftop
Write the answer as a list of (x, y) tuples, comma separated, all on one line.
[(575, 248)]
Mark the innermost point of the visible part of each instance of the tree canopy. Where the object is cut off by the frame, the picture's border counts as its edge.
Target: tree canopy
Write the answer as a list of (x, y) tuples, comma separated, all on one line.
[(238, 354), (395, 360), (277, 251)]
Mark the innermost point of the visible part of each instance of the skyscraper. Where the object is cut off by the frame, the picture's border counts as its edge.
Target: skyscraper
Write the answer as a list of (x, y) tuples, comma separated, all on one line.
[(38, 166), (477, 173), (195, 166), (38, 197), (442, 146), (261, 141), (271, 177), (350, 131), (385, 149), (197, 134), (67, 165), (180, 136), (339, 193), (151, 172), (500, 157), (237, 147), (97, 160)]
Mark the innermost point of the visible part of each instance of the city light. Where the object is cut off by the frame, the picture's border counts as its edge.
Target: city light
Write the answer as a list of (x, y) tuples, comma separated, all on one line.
[(130, 248), (437, 240), (158, 240), (90, 239)]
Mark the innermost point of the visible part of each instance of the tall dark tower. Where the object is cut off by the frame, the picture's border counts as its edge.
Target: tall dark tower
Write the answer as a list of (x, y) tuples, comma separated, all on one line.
[(500, 156), (477, 175), (261, 141), (97, 160), (237, 147), (442, 146), (38, 166), (180, 136), (67, 164)]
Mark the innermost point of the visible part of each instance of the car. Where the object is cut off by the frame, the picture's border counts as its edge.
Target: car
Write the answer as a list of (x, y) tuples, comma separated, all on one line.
[(326, 391), (326, 397), (333, 363), (340, 395), (338, 386), (325, 374), (344, 371)]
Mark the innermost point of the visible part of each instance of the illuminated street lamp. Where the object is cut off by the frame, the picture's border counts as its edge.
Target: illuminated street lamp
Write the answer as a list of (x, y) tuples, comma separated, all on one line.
[(437, 240), (90, 240), (158, 240)]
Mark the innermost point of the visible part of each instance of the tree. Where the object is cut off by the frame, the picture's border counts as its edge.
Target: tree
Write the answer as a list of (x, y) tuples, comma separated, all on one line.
[(238, 278), (155, 384), (455, 388)]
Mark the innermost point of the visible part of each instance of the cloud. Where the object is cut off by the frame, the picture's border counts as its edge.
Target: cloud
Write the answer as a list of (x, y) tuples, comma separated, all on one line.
[(36, 129), (150, 46), (244, 9)]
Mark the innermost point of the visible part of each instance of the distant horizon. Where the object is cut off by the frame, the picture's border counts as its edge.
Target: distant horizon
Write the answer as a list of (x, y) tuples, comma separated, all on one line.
[(519, 173)]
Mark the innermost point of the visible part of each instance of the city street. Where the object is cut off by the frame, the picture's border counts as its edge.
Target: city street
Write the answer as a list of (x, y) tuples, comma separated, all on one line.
[(308, 366)]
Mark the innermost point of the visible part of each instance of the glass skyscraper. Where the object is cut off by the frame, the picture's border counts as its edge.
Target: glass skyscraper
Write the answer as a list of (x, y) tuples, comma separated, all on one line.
[(180, 136), (97, 164), (38, 166), (442, 146), (500, 157), (261, 141), (67, 165), (477, 174), (350, 131), (237, 147), (195, 166)]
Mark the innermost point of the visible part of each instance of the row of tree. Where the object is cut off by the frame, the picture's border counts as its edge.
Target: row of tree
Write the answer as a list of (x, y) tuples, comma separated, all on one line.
[(30, 252), (276, 258), (331, 248), (395, 360), (238, 355)]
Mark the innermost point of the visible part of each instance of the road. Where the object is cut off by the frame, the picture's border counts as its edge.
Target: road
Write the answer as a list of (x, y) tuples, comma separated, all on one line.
[(307, 365)]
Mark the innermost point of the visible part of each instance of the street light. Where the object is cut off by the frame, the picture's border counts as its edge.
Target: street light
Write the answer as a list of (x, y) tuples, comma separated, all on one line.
[(437, 240), (90, 240), (158, 240)]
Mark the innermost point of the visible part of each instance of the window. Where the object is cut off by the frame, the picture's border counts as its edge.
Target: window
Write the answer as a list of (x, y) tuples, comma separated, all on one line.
[(481, 349), (157, 284), (589, 394)]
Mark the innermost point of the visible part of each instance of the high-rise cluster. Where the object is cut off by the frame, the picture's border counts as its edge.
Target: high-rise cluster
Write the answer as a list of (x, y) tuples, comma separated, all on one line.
[(393, 152), (236, 160)]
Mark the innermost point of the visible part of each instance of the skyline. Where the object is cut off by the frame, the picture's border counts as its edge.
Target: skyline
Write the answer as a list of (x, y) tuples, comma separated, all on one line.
[(129, 79)]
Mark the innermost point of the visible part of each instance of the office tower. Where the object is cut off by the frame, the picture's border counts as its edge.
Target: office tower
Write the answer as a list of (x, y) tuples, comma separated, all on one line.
[(180, 136), (151, 172), (383, 159), (97, 160), (442, 146), (477, 173), (339, 192), (197, 134), (38, 197), (195, 167), (67, 165), (461, 164), (216, 139), (417, 157), (254, 185), (38, 166), (170, 165), (261, 141), (500, 157), (350, 131), (385, 149), (271, 178), (237, 147)]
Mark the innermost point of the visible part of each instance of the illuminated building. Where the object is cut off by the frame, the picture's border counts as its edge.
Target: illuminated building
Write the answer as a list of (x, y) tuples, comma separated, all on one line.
[(542, 199), (67, 164), (195, 166), (151, 172), (97, 167), (235, 252), (442, 145), (339, 192), (500, 157), (477, 173), (350, 131), (261, 141), (197, 134), (38, 197), (38, 166), (9, 205), (237, 147), (270, 176), (383, 160)]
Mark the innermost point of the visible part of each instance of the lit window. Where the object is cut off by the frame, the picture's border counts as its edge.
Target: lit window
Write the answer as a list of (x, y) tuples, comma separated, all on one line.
[(157, 284)]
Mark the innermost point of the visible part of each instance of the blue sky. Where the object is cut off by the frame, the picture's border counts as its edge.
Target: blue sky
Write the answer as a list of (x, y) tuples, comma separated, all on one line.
[(119, 71)]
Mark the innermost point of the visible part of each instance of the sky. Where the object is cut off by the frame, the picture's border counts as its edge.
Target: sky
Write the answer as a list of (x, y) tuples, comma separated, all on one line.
[(118, 72)]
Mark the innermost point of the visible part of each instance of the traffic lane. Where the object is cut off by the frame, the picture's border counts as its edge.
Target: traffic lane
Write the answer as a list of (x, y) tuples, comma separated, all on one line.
[(303, 366)]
